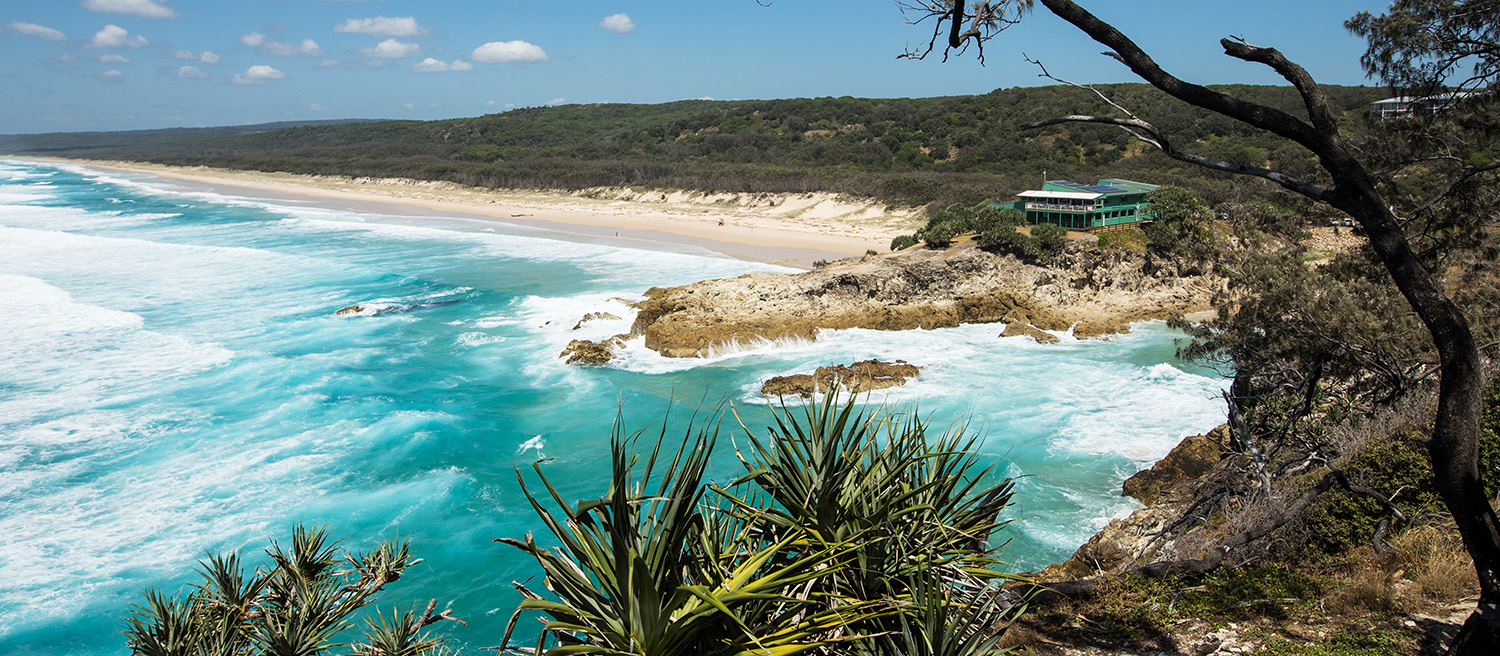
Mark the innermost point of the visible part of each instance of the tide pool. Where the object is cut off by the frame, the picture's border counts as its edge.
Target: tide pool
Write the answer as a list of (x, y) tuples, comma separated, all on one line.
[(173, 381)]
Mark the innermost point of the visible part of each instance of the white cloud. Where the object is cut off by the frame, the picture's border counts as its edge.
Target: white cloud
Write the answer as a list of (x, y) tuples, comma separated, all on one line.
[(317, 107), (328, 63), (32, 29), (618, 23), (114, 36), (113, 59), (271, 46), (391, 49), (382, 26), (186, 72), (257, 74), (67, 57), (430, 65), (557, 101), (146, 8), (111, 74), (496, 52), (207, 56)]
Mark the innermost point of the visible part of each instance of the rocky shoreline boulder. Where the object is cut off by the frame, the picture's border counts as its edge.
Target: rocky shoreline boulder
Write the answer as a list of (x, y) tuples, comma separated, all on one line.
[(855, 378), (1100, 291), (1167, 489), (582, 351)]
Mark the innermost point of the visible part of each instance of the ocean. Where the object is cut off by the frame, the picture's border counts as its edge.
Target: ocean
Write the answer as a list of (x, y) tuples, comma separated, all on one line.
[(174, 382)]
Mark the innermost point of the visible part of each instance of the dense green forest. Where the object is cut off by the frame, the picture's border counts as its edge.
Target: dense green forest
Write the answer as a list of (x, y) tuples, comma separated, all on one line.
[(902, 150)]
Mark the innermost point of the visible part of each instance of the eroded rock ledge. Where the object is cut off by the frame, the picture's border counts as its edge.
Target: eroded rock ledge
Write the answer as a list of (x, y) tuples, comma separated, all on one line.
[(1095, 292), (855, 378), (1166, 489)]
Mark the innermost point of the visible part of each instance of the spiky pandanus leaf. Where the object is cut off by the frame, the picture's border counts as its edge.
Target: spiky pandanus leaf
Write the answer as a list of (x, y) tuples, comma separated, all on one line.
[(295, 606), (641, 572), (400, 635), (915, 503), (162, 626)]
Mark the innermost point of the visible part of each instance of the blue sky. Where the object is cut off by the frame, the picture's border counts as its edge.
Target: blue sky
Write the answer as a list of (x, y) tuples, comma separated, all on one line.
[(73, 65)]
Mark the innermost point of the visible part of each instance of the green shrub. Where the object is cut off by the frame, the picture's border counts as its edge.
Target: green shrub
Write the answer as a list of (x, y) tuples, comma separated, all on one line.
[(961, 212), (936, 219), (1341, 520), (988, 218), (1049, 238), (903, 242), (1006, 239), (1179, 219), (942, 234)]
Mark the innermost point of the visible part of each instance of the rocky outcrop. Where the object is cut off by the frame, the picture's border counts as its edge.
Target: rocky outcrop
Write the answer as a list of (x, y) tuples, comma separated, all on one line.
[(1167, 489), (1028, 330), (582, 351), (802, 385), (1189, 460), (1102, 291), (591, 317), (352, 310), (854, 378)]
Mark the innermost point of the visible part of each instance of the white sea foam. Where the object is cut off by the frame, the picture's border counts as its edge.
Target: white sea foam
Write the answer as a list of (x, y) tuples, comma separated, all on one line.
[(534, 443)]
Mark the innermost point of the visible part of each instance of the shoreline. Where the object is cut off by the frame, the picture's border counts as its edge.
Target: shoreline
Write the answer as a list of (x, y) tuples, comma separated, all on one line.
[(791, 230)]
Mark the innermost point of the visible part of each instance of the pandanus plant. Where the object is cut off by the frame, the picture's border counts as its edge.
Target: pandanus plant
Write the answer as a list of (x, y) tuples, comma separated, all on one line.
[(294, 606), (643, 572), (848, 532)]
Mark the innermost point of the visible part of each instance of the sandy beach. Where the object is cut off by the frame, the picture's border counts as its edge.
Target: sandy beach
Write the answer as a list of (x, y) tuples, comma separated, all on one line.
[(791, 229)]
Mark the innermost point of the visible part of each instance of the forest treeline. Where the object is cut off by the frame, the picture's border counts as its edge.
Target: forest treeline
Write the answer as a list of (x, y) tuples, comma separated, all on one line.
[(902, 150)]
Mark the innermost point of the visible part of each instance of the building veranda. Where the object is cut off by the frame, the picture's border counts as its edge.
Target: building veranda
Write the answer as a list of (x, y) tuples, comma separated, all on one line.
[(1079, 206)]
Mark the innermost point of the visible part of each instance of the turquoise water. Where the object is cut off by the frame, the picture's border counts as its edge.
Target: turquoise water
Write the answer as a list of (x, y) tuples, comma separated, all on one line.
[(173, 381)]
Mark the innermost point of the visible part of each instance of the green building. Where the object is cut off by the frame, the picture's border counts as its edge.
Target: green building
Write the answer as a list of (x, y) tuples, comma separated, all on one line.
[(1079, 206)]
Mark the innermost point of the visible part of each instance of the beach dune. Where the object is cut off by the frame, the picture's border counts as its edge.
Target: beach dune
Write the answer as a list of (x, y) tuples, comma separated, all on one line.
[(790, 229)]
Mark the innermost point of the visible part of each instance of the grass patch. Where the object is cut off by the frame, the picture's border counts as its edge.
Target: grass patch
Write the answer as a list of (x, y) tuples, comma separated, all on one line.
[(1126, 239), (1385, 641), (1139, 610)]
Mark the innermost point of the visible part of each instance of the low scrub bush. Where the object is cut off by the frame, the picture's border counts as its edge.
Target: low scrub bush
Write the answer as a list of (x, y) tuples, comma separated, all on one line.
[(904, 242), (1007, 239), (942, 234), (1049, 238), (1434, 560)]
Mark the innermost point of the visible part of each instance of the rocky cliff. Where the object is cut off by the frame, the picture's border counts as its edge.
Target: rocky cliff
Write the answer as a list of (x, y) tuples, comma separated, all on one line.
[(1091, 290), (1167, 489)]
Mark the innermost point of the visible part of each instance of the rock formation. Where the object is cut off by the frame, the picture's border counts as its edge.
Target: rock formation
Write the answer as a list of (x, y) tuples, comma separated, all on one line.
[(1102, 291), (1167, 488), (1189, 460), (591, 317), (347, 311), (582, 351), (855, 378)]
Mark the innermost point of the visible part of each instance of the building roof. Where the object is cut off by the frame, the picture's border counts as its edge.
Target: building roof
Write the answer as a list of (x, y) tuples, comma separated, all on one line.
[(1078, 195), (1106, 187), (1129, 186)]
